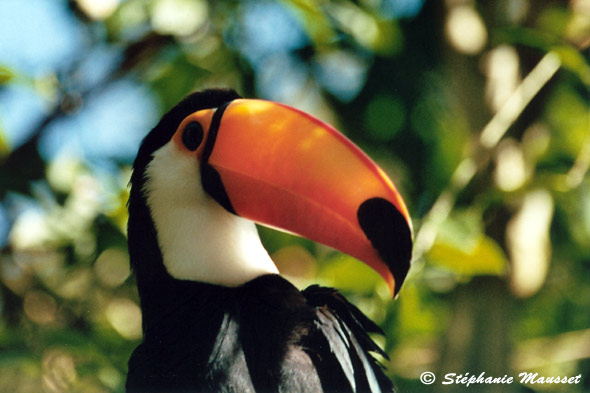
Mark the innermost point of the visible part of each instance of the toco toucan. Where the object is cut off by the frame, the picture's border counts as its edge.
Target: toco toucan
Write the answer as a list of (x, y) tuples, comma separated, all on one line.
[(217, 315)]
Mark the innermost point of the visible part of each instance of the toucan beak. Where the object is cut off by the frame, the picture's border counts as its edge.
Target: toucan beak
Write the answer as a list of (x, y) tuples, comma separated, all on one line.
[(282, 168)]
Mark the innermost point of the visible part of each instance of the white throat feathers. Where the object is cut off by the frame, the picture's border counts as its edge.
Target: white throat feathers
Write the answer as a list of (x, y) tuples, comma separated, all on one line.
[(199, 239)]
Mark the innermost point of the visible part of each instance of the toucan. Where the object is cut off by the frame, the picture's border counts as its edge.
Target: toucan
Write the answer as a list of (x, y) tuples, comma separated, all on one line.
[(217, 316)]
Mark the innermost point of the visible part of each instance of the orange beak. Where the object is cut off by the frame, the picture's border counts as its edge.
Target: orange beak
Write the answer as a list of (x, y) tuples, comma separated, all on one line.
[(282, 168)]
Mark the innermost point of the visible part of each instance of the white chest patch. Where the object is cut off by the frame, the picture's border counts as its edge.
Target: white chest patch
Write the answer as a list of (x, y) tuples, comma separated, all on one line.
[(199, 239)]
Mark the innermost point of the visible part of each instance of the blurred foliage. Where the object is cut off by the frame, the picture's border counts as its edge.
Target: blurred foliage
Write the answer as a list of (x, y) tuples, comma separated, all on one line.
[(501, 274)]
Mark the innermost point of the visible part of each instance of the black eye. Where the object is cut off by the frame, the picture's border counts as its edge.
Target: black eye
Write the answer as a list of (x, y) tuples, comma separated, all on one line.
[(192, 136)]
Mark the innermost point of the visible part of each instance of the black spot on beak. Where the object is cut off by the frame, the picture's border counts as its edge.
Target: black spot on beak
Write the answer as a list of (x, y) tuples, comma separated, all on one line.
[(389, 233)]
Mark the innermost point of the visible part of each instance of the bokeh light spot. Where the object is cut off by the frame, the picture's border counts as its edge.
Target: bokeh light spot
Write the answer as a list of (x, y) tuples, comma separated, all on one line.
[(59, 371), (503, 73), (76, 284), (30, 230), (511, 171), (296, 263), (40, 307), (112, 267), (179, 17), (342, 73), (528, 243), (465, 30), (125, 317), (98, 9)]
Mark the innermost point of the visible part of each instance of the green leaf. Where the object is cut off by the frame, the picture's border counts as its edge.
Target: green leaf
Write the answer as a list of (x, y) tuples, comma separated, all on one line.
[(6, 75), (389, 39), (349, 274), (567, 114), (175, 77), (462, 246), (385, 116), (484, 257), (15, 358), (574, 61), (313, 19), (553, 20), (4, 145), (533, 38), (275, 240)]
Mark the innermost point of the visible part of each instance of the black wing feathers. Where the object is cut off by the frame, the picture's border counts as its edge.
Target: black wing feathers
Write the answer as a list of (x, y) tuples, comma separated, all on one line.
[(347, 332), (272, 315), (227, 367), (265, 336)]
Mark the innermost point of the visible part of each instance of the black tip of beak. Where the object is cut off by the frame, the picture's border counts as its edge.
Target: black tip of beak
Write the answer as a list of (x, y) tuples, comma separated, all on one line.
[(389, 233)]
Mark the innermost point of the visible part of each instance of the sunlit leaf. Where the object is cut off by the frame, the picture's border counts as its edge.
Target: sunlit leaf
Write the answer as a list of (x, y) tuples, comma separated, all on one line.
[(568, 114), (574, 61), (526, 36), (381, 36), (553, 20), (348, 273), (389, 40), (417, 315), (314, 20), (6, 75), (274, 240), (119, 213), (484, 257), (4, 145)]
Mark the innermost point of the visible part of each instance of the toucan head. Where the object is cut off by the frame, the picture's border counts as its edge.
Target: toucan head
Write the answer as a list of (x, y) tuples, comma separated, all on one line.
[(216, 164)]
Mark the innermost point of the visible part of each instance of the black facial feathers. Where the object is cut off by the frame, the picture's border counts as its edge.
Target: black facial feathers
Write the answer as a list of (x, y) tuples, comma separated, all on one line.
[(163, 131)]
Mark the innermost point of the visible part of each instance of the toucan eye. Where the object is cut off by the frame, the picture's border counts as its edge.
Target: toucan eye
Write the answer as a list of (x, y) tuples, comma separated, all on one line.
[(192, 136)]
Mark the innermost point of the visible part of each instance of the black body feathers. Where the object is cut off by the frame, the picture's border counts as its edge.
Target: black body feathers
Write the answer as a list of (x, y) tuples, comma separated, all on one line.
[(265, 336)]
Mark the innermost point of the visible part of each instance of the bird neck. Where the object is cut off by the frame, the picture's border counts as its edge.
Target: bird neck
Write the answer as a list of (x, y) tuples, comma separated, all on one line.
[(203, 242), (199, 240), (167, 300)]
